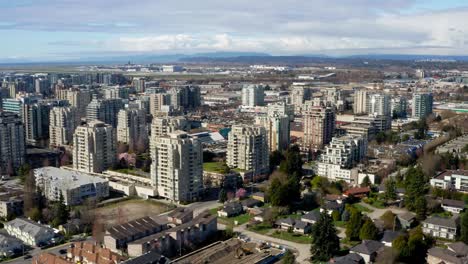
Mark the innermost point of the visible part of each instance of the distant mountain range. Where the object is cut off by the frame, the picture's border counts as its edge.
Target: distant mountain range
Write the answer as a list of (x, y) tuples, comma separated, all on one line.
[(233, 57)]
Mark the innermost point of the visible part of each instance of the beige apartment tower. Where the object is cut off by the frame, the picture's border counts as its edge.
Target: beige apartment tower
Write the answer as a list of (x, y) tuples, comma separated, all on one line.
[(94, 147), (319, 126), (63, 122), (177, 167), (248, 149)]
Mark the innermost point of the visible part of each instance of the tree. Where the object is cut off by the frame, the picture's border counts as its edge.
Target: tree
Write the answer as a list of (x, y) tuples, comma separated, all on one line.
[(325, 242), (390, 190), (380, 137), (412, 248), (288, 258), (276, 157), (241, 193), (336, 215), (368, 230), (354, 224), (366, 182), (388, 219), (420, 207), (416, 186), (222, 196), (60, 212), (292, 165), (464, 228), (35, 214), (283, 189)]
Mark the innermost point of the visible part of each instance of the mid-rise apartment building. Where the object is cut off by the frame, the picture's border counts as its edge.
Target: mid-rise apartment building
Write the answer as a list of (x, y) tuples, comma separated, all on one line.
[(253, 95), (248, 149), (422, 105), (63, 121), (94, 147), (319, 126), (177, 166), (12, 142)]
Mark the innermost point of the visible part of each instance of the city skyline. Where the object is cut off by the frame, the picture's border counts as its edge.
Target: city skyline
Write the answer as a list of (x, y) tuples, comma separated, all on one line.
[(52, 30)]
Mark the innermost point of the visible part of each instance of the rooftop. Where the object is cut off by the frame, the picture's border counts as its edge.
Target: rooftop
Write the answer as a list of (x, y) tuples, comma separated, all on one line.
[(69, 178), (441, 221)]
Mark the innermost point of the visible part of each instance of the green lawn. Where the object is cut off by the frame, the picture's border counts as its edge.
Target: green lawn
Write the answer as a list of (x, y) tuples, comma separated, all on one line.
[(292, 237), (217, 167), (340, 223), (260, 228), (362, 208), (241, 219)]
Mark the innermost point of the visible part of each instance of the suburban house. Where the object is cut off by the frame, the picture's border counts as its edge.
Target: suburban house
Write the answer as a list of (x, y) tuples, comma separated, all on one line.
[(441, 227), (329, 207), (389, 236), (9, 246), (368, 250), (231, 209), (406, 219), (30, 232), (311, 217), (453, 206), (455, 253), (297, 226), (351, 258), (250, 203), (359, 192)]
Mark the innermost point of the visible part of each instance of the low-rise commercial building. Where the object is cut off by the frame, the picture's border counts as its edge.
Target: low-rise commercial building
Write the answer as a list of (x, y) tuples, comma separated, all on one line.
[(74, 186)]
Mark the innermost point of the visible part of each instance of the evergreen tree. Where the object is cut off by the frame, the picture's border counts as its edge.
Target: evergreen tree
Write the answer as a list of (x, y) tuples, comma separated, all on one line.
[(325, 241), (420, 207), (222, 196), (416, 186), (292, 165), (464, 228), (366, 182), (390, 190), (354, 224), (368, 230), (60, 211)]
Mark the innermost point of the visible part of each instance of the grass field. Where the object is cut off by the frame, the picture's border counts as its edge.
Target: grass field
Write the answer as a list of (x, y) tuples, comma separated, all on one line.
[(215, 167), (260, 228), (241, 219), (292, 237), (362, 208)]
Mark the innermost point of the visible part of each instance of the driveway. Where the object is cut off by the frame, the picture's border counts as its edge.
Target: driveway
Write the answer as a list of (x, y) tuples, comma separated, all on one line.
[(377, 213), (303, 250)]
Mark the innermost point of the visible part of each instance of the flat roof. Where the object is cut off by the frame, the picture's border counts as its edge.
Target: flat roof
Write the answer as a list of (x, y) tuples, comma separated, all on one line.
[(68, 178)]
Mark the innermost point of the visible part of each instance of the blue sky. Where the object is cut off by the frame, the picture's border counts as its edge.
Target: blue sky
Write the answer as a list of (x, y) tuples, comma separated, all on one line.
[(46, 30)]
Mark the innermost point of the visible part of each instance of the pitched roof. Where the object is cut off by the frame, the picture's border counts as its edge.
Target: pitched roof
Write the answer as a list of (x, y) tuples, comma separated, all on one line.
[(286, 221), (351, 258), (357, 190), (453, 203), (459, 248), (406, 216), (32, 228), (367, 247), (390, 235), (445, 255), (300, 224), (312, 216), (441, 221)]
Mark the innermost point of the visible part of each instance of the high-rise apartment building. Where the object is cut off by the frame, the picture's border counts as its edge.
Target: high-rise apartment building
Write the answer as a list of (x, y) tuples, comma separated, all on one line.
[(132, 128), (177, 166), (157, 100), (185, 97), (360, 102), (278, 131), (77, 98), (281, 108), (399, 106), (248, 149), (162, 126), (422, 105), (300, 94), (378, 104), (12, 142), (63, 122), (42, 86), (94, 147), (104, 110), (139, 84), (319, 126), (253, 95), (36, 123)]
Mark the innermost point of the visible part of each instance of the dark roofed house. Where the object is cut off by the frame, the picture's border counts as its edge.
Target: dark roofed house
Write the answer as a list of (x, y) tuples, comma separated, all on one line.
[(459, 248), (406, 219), (351, 258), (453, 206), (441, 227), (231, 209), (368, 250), (331, 206), (311, 217), (302, 227), (438, 255), (285, 223), (250, 203), (389, 236)]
